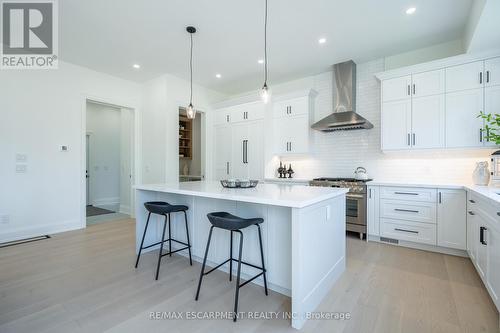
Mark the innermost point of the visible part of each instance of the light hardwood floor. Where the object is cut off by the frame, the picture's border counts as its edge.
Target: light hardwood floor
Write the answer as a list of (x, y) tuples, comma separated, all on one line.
[(84, 281)]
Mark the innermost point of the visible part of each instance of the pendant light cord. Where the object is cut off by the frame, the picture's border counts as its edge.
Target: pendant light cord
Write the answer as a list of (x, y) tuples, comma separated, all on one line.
[(191, 70), (265, 47)]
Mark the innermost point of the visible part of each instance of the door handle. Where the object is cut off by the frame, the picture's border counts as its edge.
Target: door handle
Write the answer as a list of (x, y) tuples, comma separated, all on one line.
[(414, 89), (405, 230), (405, 210), (408, 90), (370, 193), (414, 140), (290, 146), (487, 76), (409, 142), (481, 235), (480, 135), (480, 77), (246, 151), (439, 197), (243, 151)]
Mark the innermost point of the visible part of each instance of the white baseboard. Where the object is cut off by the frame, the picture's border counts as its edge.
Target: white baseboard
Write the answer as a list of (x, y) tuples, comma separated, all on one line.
[(106, 201), (47, 229), (124, 209), (425, 247)]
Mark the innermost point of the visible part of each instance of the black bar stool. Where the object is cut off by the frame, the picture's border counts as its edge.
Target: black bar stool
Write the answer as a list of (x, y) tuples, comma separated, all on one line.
[(233, 223), (165, 209)]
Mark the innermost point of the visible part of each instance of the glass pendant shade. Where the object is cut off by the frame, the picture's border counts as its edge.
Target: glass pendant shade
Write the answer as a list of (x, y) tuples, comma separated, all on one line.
[(265, 94), (190, 112)]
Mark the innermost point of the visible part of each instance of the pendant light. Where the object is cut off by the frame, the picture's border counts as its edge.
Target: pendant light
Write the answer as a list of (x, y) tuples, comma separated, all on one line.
[(264, 92), (190, 111)]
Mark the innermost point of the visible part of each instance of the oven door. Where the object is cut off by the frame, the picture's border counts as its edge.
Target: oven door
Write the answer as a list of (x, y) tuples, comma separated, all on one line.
[(356, 209)]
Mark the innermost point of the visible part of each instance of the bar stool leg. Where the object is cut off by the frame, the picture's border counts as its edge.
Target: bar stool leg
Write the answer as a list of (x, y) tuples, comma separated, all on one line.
[(237, 293), (231, 256), (161, 246), (169, 236), (142, 241), (187, 235), (262, 259), (204, 263)]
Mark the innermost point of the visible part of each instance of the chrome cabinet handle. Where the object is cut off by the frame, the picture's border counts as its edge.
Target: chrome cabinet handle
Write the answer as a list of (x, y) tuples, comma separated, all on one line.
[(405, 230), (439, 197), (290, 146), (408, 90), (409, 142), (227, 168), (414, 90), (406, 210), (481, 235), (414, 140), (480, 77), (227, 118), (370, 193), (471, 201), (406, 193), (480, 135), (487, 76), (471, 212)]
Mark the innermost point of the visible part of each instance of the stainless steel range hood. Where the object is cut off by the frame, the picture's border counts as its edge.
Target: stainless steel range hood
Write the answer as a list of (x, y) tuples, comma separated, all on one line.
[(344, 116)]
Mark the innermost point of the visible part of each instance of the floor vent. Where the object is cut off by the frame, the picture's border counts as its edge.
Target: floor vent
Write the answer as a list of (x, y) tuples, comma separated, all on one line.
[(389, 240), (23, 241)]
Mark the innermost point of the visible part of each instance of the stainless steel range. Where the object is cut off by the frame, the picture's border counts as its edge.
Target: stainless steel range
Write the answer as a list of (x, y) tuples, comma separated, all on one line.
[(355, 200)]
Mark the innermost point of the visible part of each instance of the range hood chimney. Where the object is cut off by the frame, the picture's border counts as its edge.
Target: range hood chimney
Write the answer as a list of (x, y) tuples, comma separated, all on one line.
[(344, 116)]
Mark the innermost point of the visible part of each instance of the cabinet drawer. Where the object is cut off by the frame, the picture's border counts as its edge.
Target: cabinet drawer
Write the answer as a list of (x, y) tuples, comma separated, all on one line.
[(409, 193), (407, 210), (479, 205), (408, 231)]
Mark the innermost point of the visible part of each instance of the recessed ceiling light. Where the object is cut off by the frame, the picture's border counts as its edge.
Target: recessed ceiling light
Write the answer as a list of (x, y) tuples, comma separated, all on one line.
[(411, 10), (260, 61), (218, 76), (322, 40), (136, 66)]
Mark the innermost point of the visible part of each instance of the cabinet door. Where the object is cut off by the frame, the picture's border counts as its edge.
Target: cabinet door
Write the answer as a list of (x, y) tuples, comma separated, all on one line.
[(481, 254), (463, 77), (463, 128), (396, 89), (472, 235), (237, 113), (492, 72), (222, 152), (298, 128), (428, 118), (452, 224), (255, 151), (373, 213), (222, 116), (493, 260), (396, 125), (491, 105), (291, 107), (254, 111), (239, 136), (428, 83)]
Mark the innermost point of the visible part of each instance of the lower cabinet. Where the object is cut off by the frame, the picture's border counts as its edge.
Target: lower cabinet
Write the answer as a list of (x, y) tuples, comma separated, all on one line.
[(373, 211), (451, 218), (483, 242)]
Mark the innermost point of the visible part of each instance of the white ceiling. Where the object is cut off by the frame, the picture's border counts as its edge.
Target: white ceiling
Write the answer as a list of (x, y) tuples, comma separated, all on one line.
[(109, 36)]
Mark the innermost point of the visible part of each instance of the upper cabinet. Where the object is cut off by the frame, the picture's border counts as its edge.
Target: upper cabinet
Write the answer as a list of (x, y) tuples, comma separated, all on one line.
[(291, 123), (439, 108), (492, 72), (240, 113), (466, 76)]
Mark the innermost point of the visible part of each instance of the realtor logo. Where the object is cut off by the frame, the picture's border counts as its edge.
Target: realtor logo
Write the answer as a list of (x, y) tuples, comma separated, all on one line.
[(29, 34)]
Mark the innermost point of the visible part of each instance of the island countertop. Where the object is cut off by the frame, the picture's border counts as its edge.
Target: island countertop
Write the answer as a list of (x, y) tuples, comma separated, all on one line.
[(270, 194)]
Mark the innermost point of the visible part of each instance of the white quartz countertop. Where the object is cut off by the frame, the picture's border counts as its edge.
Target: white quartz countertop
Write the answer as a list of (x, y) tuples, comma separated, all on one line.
[(296, 196), (489, 192)]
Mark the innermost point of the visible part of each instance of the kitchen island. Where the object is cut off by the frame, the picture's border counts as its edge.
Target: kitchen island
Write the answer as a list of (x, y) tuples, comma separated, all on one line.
[(303, 234)]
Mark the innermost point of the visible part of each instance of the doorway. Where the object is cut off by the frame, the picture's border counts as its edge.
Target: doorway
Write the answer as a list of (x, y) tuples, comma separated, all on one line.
[(109, 162), (191, 147)]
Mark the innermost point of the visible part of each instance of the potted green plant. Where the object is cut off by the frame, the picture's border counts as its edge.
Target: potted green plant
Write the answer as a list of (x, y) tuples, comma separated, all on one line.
[(492, 126)]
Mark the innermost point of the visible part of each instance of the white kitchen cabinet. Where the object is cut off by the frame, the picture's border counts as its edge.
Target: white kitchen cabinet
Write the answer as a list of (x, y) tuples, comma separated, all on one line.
[(464, 77), (463, 128), (428, 83), (247, 112), (246, 152), (239, 135), (373, 213), (222, 152), (492, 72), (491, 105), (451, 219), (472, 235), (223, 116), (291, 107), (493, 259), (428, 122), (291, 135), (396, 89), (254, 150), (396, 125)]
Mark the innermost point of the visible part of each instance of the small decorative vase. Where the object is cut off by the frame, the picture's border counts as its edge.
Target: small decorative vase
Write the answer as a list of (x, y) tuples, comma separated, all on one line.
[(481, 175)]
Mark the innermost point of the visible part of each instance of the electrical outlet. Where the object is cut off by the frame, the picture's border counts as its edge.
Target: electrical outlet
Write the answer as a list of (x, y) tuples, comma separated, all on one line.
[(64, 148), (21, 168), (4, 219)]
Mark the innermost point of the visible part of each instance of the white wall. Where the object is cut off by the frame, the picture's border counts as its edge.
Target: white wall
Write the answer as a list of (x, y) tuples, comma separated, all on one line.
[(104, 130), (337, 154), (163, 97), (40, 110)]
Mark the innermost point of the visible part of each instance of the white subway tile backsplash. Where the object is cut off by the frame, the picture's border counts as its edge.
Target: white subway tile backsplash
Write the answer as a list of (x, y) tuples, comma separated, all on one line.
[(337, 154)]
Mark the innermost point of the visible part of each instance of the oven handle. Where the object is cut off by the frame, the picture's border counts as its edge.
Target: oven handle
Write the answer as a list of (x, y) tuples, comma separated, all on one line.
[(355, 196)]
